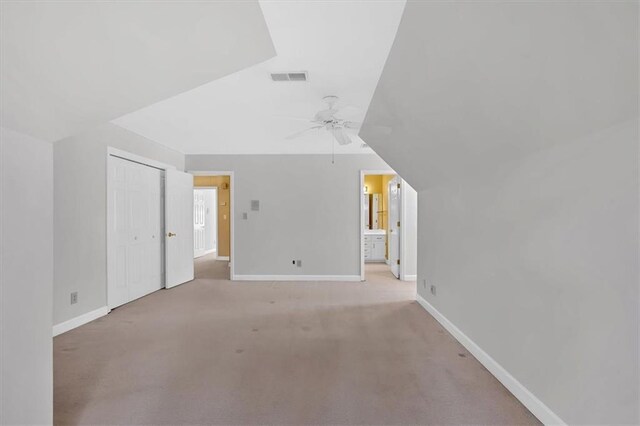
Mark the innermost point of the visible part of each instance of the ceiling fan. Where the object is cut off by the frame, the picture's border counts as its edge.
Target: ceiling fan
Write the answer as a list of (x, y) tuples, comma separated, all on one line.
[(329, 120)]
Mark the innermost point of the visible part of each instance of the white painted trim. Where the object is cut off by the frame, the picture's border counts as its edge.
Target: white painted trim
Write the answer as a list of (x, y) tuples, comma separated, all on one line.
[(65, 326), (528, 399), (222, 258), (403, 249), (297, 277), (232, 197), (387, 261), (361, 198), (410, 278)]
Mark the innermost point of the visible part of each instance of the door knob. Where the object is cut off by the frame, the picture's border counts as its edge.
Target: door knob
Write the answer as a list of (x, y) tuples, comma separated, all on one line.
[(171, 234)]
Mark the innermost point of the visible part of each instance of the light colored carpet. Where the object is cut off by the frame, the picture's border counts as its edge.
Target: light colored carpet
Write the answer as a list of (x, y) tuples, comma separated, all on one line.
[(208, 267), (219, 352)]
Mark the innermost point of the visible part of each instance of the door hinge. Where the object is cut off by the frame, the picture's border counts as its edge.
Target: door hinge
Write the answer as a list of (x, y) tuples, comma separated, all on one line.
[(398, 186), (398, 261), (398, 224)]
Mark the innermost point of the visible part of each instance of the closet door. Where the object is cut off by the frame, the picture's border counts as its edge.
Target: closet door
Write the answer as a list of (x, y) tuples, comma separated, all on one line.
[(118, 231), (145, 260), (135, 231)]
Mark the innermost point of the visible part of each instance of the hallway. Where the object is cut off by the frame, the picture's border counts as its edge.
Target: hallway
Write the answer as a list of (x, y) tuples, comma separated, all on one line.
[(219, 352), (207, 267)]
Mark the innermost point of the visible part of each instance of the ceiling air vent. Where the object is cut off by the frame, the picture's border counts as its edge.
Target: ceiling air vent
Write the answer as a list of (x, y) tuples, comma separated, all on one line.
[(289, 76)]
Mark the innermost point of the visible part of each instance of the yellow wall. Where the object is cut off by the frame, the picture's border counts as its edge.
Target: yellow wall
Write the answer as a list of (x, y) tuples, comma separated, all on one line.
[(224, 209), (373, 184)]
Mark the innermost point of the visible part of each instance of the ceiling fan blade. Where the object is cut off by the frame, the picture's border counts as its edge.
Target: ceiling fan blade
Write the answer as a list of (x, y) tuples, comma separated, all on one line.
[(341, 136), (300, 133), (352, 125)]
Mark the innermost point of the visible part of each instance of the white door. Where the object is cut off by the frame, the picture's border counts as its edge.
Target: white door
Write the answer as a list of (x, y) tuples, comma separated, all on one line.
[(394, 229), (178, 227), (199, 223), (211, 220), (205, 223), (134, 231)]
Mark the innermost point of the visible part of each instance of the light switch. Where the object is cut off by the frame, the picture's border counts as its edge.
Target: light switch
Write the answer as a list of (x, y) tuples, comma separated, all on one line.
[(255, 205)]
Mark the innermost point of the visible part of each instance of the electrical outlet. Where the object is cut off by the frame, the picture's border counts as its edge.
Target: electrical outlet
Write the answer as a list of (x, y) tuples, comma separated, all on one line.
[(433, 290), (299, 263), (424, 283), (293, 262), (245, 216), (255, 205), (74, 297)]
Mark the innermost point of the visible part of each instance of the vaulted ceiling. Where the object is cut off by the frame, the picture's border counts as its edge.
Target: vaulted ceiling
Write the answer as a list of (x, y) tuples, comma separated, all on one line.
[(342, 45), (469, 89), (67, 66)]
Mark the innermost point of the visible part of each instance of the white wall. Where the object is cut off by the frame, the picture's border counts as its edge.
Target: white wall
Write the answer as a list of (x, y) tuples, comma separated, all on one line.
[(26, 279), (539, 267), (80, 213), (309, 210), (517, 122)]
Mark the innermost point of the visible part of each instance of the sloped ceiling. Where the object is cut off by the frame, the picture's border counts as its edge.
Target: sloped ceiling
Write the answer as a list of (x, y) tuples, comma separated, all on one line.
[(469, 88), (67, 66), (341, 44)]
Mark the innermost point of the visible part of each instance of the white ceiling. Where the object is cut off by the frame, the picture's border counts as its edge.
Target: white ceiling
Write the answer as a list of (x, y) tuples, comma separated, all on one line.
[(67, 66), (343, 46)]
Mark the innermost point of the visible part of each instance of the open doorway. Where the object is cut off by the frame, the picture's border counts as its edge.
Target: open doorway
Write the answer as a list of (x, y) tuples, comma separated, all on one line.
[(212, 225), (388, 240)]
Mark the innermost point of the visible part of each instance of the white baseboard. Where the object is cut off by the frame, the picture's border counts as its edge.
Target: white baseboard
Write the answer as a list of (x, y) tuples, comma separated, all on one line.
[(410, 278), (529, 400), (296, 277), (65, 326), (387, 261), (222, 258)]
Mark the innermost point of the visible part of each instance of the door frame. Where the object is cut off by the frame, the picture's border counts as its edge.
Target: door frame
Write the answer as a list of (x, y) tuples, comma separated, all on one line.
[(364, 172), (403, 231), (398, 229), (232, 246), (118, 153)]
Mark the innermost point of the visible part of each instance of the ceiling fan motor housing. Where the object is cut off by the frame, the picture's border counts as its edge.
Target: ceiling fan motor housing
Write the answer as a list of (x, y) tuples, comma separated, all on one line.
[(331, 100)]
